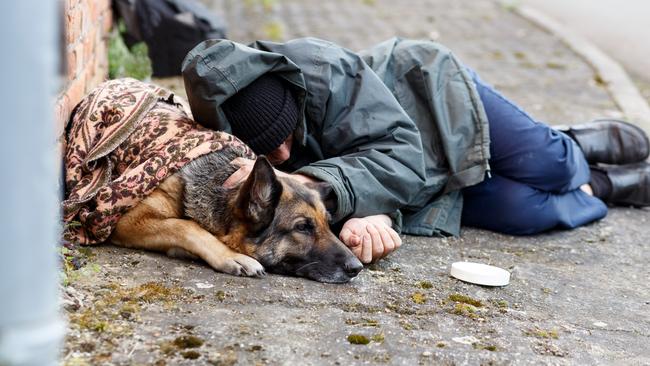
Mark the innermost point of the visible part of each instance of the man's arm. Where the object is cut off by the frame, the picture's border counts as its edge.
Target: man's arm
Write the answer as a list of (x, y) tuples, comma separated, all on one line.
[(373, 156)]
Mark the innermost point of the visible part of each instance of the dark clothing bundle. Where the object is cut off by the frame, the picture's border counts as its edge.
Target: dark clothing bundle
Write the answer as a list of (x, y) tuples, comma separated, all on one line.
[(170, 28)]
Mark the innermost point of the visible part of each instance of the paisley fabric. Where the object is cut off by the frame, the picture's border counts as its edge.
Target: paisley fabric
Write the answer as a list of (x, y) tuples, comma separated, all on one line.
[(124, 139)]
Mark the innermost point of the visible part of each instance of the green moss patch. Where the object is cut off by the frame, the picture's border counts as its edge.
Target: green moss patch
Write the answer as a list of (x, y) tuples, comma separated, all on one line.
[(156, 292), (364, 340), (220, 295), (191, 355), (467, 310), (184, 344), (364, 322), (542, 333), (76, 261), (378, 338), (358, 339), (188, 341), (487, 347), (360, 308), (418, 298), (114, 305), (465, 299)]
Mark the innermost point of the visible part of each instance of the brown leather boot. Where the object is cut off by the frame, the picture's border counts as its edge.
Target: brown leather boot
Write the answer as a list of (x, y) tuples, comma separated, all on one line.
[(630, 184), (609, 141)]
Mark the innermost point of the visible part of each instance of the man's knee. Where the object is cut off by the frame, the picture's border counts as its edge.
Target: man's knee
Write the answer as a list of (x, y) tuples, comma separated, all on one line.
[(509, 207), (527, 213), (563, 165)]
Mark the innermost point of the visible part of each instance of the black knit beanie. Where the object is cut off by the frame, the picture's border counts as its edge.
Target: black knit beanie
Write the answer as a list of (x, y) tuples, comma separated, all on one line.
[(263, 114)]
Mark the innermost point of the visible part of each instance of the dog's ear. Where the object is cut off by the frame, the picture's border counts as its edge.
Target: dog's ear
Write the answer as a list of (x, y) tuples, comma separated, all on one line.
[(259, 195), (326, 193)]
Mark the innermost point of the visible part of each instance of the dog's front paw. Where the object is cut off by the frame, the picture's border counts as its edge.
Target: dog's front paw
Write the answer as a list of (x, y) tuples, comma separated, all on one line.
[(242, 265)]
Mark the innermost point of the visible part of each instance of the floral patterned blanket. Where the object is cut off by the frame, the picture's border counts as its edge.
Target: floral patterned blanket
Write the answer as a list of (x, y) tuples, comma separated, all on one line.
[(124, 139)]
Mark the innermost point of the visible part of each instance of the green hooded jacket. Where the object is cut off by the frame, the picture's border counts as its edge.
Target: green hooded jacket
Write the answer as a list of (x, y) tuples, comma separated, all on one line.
[(397, 129)]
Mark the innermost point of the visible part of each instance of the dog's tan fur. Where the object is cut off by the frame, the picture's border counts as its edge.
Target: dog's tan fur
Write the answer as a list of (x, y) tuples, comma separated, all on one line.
[(264, 222), (156, 224)]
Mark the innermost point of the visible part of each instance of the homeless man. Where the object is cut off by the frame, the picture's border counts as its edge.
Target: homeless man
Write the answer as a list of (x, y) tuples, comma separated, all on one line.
[(410, 139)]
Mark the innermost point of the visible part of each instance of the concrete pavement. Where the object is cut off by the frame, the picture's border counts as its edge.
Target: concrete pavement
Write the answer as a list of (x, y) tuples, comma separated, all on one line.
[(618, 27), (576, 297), (581, 29)]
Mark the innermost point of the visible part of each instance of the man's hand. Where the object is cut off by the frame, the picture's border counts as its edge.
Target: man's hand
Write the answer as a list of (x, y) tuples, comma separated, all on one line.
[(370, 238), (246, 167)]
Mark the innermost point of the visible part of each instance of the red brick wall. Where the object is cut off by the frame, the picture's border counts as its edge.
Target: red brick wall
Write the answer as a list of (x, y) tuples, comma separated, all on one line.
[(87, 24)]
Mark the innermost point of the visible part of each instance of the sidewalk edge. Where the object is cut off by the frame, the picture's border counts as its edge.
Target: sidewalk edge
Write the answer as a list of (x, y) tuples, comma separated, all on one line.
[(619, 85)]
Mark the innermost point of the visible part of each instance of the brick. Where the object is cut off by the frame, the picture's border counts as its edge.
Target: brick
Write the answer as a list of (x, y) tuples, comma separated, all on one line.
[(98, 10), (71, 60), (101, 76), (102, 56), (89, 45), (90, 72), (101, 48), (77, 89), (79, 60), (71, 4), (85, 21), (62, 111), (104, 5), (72, 26), (67, 26), (107, 21), (101, 73), (93, 12)]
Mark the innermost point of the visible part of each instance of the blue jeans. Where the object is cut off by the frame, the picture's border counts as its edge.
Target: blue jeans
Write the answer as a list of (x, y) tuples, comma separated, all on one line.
[(535, 178)]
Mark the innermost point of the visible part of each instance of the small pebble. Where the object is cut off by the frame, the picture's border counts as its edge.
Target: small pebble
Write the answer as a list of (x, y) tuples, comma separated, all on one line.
[(465, 340), (426, 354)]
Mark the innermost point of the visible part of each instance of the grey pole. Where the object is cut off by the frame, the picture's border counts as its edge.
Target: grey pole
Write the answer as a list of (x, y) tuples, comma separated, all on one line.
[(31, 330)]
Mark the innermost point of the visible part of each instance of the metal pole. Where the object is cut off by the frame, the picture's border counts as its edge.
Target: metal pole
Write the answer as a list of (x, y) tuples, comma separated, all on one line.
[(31, 330)]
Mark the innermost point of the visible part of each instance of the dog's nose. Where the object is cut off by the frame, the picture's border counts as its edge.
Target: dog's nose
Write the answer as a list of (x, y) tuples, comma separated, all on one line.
[(352, 266)]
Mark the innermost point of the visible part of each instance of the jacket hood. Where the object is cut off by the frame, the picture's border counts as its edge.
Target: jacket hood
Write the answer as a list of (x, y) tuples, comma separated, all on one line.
[(216, 69)]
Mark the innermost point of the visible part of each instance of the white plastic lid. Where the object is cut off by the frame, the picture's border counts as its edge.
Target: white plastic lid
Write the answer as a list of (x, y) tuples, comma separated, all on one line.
[(480, 274)]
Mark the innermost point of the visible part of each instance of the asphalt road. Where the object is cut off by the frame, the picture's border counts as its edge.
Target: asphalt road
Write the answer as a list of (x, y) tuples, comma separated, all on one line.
[(621, 28)]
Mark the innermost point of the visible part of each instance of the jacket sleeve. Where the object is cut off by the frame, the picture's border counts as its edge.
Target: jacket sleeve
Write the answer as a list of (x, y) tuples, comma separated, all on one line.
[(371, 148)]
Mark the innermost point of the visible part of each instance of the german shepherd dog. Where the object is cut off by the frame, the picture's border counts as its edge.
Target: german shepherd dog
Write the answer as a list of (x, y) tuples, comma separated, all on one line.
[(267, 223)]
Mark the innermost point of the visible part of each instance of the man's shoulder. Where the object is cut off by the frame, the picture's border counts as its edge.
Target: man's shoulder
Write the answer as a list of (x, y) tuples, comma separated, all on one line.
[(309, 49)]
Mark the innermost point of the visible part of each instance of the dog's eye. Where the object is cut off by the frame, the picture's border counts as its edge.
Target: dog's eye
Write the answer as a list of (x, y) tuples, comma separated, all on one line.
[(304, 226)]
